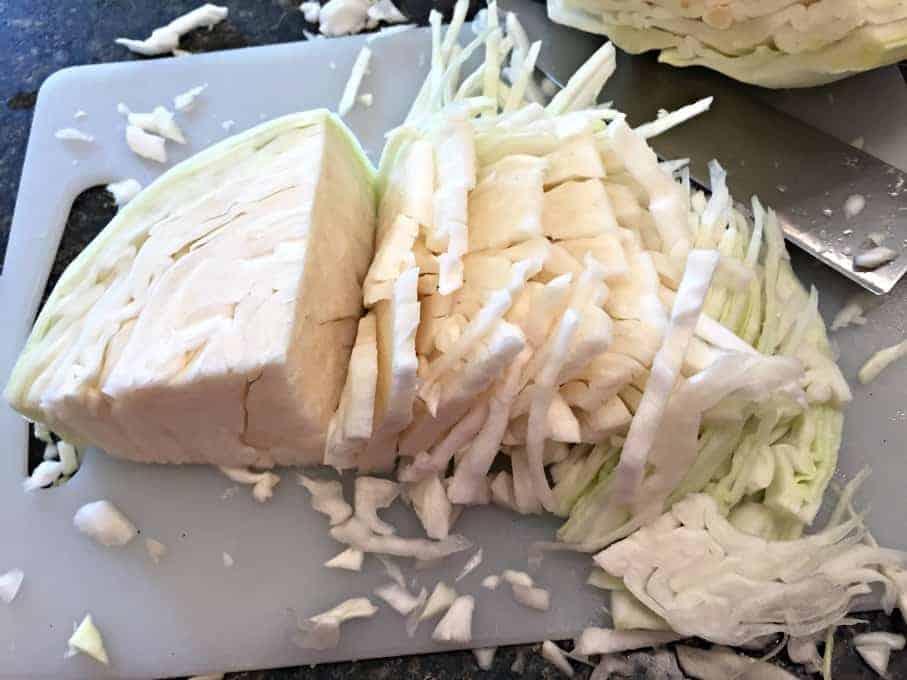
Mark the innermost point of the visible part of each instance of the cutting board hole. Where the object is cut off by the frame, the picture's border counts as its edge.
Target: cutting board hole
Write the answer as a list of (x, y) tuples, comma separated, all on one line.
[(90, 213), (36, 451)]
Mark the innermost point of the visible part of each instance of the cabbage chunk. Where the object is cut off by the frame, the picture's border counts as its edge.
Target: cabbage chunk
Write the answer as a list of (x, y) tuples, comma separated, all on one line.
[(195, 328)]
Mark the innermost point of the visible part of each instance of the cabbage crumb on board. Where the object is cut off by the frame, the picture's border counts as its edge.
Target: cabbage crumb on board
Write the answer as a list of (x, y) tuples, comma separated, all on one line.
[(10, 582), (548, 296), (791, 43), (86, 638), (105, 523), (322, 631)]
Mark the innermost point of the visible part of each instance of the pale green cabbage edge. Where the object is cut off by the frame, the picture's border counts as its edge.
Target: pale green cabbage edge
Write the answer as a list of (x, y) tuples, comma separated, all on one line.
[(863, 49), (733, 458)]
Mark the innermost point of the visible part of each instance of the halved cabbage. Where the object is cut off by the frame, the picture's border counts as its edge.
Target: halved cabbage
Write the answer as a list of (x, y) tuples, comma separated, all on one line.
[(789, 43), (212, 320)]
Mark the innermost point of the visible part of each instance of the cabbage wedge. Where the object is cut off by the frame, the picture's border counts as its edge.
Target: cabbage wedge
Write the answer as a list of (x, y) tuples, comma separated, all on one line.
[(212, 320)]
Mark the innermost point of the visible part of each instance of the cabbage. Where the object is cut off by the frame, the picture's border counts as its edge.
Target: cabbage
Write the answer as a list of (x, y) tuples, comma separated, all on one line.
[(705, 578), (195, 328), (86, 638), (322, 631), (770, 430), (456, 624), (790, 43)]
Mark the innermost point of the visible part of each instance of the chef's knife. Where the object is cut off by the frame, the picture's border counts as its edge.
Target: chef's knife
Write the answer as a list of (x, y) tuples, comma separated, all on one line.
[(806, 175)]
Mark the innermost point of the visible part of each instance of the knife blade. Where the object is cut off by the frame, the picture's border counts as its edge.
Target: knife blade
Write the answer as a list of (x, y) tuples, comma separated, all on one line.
[(806, 175)]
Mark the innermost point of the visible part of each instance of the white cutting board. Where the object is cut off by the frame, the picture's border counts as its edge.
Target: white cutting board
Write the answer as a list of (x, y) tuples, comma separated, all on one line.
[(191, 614)]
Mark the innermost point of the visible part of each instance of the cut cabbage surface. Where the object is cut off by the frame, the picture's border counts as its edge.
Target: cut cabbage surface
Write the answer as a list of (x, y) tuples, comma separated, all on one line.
[(788, 43), (195, 328)]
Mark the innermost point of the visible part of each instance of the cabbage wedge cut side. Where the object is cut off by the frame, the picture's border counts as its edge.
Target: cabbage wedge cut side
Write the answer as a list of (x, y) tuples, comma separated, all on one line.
[(212, 320)]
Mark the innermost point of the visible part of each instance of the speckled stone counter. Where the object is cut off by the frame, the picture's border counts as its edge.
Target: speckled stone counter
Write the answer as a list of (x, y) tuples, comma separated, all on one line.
[(38, 37)]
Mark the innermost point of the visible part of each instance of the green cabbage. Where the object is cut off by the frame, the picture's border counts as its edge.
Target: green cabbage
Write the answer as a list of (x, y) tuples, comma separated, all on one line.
[(777, 43), (775, 449)]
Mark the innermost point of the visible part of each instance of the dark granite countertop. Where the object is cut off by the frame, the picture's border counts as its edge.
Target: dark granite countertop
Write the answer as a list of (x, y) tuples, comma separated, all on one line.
[(38, 37)]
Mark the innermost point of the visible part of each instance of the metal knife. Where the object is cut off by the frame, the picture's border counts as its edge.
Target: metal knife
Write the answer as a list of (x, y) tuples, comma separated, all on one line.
[(806, 175)]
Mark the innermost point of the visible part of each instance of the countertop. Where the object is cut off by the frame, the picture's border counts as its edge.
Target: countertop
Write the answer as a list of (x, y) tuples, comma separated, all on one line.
[(38, 37)]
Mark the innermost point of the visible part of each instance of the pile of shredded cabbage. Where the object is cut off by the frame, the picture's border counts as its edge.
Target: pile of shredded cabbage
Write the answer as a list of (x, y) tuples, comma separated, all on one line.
[(791, 43), (558, 321)]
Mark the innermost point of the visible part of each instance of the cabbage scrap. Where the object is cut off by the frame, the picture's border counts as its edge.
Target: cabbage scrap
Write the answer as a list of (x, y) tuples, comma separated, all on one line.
[(879, 361), (263, 483), (606, 641), (399, 598), (322, 631), (440, 600), (87, 639), (327, 498), (557, 658), (875, 648), (166, 39), (371, 494), (357, 535), (456, 624), (719, 663), (484, 657)]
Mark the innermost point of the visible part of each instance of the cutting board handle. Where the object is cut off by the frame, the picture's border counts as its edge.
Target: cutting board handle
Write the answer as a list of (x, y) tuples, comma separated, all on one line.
[(47, 190), (46, 194)]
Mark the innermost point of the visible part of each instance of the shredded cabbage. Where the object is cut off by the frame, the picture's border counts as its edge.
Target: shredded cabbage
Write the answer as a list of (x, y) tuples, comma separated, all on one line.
[(574, 290), (438, 602), (322, 631), (327, 498), (557, 658), (10, 582), (456, 624), (103, 522), (879, 361), (87, 639), (707, 579)]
